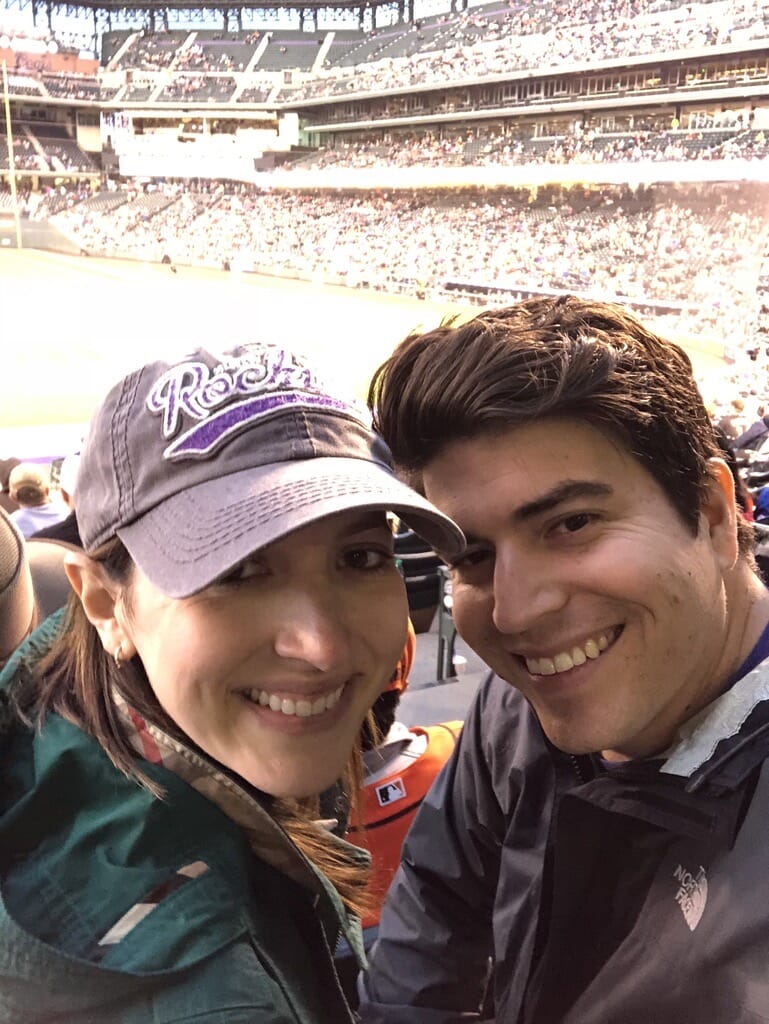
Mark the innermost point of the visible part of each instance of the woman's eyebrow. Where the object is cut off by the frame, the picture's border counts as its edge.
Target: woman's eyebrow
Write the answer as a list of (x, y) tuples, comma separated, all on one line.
[(365, 521)]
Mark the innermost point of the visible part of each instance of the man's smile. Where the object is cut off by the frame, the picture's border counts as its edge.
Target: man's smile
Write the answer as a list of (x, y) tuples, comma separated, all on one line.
[(573, 655)]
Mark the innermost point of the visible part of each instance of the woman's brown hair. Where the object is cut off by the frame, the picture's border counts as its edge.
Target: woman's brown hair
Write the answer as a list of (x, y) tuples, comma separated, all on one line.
[(77, 679)]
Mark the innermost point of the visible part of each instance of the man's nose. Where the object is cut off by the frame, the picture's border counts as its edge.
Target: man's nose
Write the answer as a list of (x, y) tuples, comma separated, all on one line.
[(525, 591), (312, 630)]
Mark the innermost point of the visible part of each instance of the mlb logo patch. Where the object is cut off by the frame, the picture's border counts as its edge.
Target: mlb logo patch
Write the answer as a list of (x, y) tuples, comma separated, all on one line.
[(389, 792)]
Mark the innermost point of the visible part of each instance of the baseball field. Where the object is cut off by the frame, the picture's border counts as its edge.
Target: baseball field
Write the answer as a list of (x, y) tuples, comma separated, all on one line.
[(71, 325)]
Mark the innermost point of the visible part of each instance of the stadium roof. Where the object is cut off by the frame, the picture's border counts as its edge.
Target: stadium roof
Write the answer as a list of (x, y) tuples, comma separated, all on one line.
[(158, 8)]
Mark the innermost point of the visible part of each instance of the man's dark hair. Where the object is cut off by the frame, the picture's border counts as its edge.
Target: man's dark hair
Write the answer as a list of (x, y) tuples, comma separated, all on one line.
[(548, 358)]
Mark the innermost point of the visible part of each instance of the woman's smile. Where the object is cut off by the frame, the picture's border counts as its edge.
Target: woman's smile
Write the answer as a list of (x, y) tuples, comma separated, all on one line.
[(298, 716)]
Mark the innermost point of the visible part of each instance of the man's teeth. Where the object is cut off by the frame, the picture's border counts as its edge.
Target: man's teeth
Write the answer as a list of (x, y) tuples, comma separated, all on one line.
[(562, 662), (299, 708)]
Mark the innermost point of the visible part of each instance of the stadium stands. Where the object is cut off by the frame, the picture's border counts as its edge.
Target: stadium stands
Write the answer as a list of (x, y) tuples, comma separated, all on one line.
[(688, 253), (542, 87)]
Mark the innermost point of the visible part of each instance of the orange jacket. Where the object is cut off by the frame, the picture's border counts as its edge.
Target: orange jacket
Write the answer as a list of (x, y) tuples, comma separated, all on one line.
[(389, 806)]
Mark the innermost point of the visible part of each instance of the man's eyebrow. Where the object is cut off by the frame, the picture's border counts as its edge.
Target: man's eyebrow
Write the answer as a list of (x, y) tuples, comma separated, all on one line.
[(565, 491)]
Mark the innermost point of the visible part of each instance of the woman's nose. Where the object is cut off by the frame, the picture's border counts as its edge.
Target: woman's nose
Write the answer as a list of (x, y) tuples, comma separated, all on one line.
[(312, 631)]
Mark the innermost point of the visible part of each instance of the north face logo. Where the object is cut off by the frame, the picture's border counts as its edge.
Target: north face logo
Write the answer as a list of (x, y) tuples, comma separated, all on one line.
[(389, 792), (692, 894)]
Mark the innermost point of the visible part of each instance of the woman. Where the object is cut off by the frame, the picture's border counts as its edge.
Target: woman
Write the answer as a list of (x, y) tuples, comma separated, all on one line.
[(237, 611)]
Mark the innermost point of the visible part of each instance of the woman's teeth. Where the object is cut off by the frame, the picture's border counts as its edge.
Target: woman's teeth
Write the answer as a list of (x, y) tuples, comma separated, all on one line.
[(565, 660), (299, 708)]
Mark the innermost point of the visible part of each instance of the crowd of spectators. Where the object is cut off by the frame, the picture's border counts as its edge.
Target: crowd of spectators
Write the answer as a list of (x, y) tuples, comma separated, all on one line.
[(467, 46), (73, 87), (473, 44), (582, 32), (190, 51), (691, 255), (479, 147), (195, 58), (197, 88), (44, 154), (152, 51), (25, 156), (54, 199)]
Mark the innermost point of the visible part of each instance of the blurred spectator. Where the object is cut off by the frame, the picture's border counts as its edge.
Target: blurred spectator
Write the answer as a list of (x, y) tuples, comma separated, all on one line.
[(755, 435), (732, 423), (66, 529), (29, 486)]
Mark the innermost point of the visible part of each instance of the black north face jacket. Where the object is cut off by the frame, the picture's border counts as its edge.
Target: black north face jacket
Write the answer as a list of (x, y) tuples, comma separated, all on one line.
[(636, 896)]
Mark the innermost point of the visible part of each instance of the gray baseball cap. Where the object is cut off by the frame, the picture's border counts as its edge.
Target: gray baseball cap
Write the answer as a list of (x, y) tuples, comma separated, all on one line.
[(196, 463)]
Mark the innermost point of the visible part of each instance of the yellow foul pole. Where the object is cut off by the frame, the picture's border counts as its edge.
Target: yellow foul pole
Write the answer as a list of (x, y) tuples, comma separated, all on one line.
[(11, 159)]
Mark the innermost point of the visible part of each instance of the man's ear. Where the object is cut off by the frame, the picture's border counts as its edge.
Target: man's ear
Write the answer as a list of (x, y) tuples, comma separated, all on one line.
[(720, 511), (99, 596)]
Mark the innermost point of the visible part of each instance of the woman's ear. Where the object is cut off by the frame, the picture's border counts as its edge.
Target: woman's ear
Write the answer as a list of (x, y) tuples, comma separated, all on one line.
[(720, 511), (100, 598)]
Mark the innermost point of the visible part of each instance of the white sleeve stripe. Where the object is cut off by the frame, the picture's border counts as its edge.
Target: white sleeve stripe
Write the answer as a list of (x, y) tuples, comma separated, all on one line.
[(126, 923)]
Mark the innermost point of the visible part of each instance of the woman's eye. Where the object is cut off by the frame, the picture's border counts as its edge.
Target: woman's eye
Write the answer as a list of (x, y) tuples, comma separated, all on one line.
[(368, 558), (244, 570)]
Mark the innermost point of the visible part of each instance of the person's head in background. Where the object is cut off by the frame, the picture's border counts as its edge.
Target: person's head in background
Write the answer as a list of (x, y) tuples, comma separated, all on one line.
[(607, 574), (238, 587), (29, 485)]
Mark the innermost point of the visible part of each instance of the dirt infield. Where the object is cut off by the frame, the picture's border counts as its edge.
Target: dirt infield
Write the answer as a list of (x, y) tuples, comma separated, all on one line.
[(71, 325)]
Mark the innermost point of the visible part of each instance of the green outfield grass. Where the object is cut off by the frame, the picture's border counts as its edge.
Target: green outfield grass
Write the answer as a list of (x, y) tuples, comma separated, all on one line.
[(70, 326)]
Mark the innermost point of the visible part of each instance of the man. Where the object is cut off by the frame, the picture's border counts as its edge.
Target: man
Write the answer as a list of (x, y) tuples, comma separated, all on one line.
[(600, 831), (29, 487)]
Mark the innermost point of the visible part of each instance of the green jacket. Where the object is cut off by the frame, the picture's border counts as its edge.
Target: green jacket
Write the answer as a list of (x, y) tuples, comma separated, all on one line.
[(119, 908)]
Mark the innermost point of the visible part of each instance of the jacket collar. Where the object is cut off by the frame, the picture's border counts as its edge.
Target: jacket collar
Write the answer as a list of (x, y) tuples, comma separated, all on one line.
[(722, 730), (265, 836)]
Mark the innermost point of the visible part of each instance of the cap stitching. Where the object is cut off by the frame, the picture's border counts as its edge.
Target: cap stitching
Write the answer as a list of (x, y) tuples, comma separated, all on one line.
[(307, 439), (122, 460), (235, 524)]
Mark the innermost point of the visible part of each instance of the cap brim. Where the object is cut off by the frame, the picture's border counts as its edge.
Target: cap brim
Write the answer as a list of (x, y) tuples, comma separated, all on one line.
[(194, 537)]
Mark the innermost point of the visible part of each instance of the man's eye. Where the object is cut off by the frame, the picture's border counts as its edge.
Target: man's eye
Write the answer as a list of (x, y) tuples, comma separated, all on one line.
[(470, 558), (575, 523)]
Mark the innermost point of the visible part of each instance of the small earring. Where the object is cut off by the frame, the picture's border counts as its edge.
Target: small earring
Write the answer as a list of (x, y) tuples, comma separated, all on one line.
[(118, 658)]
